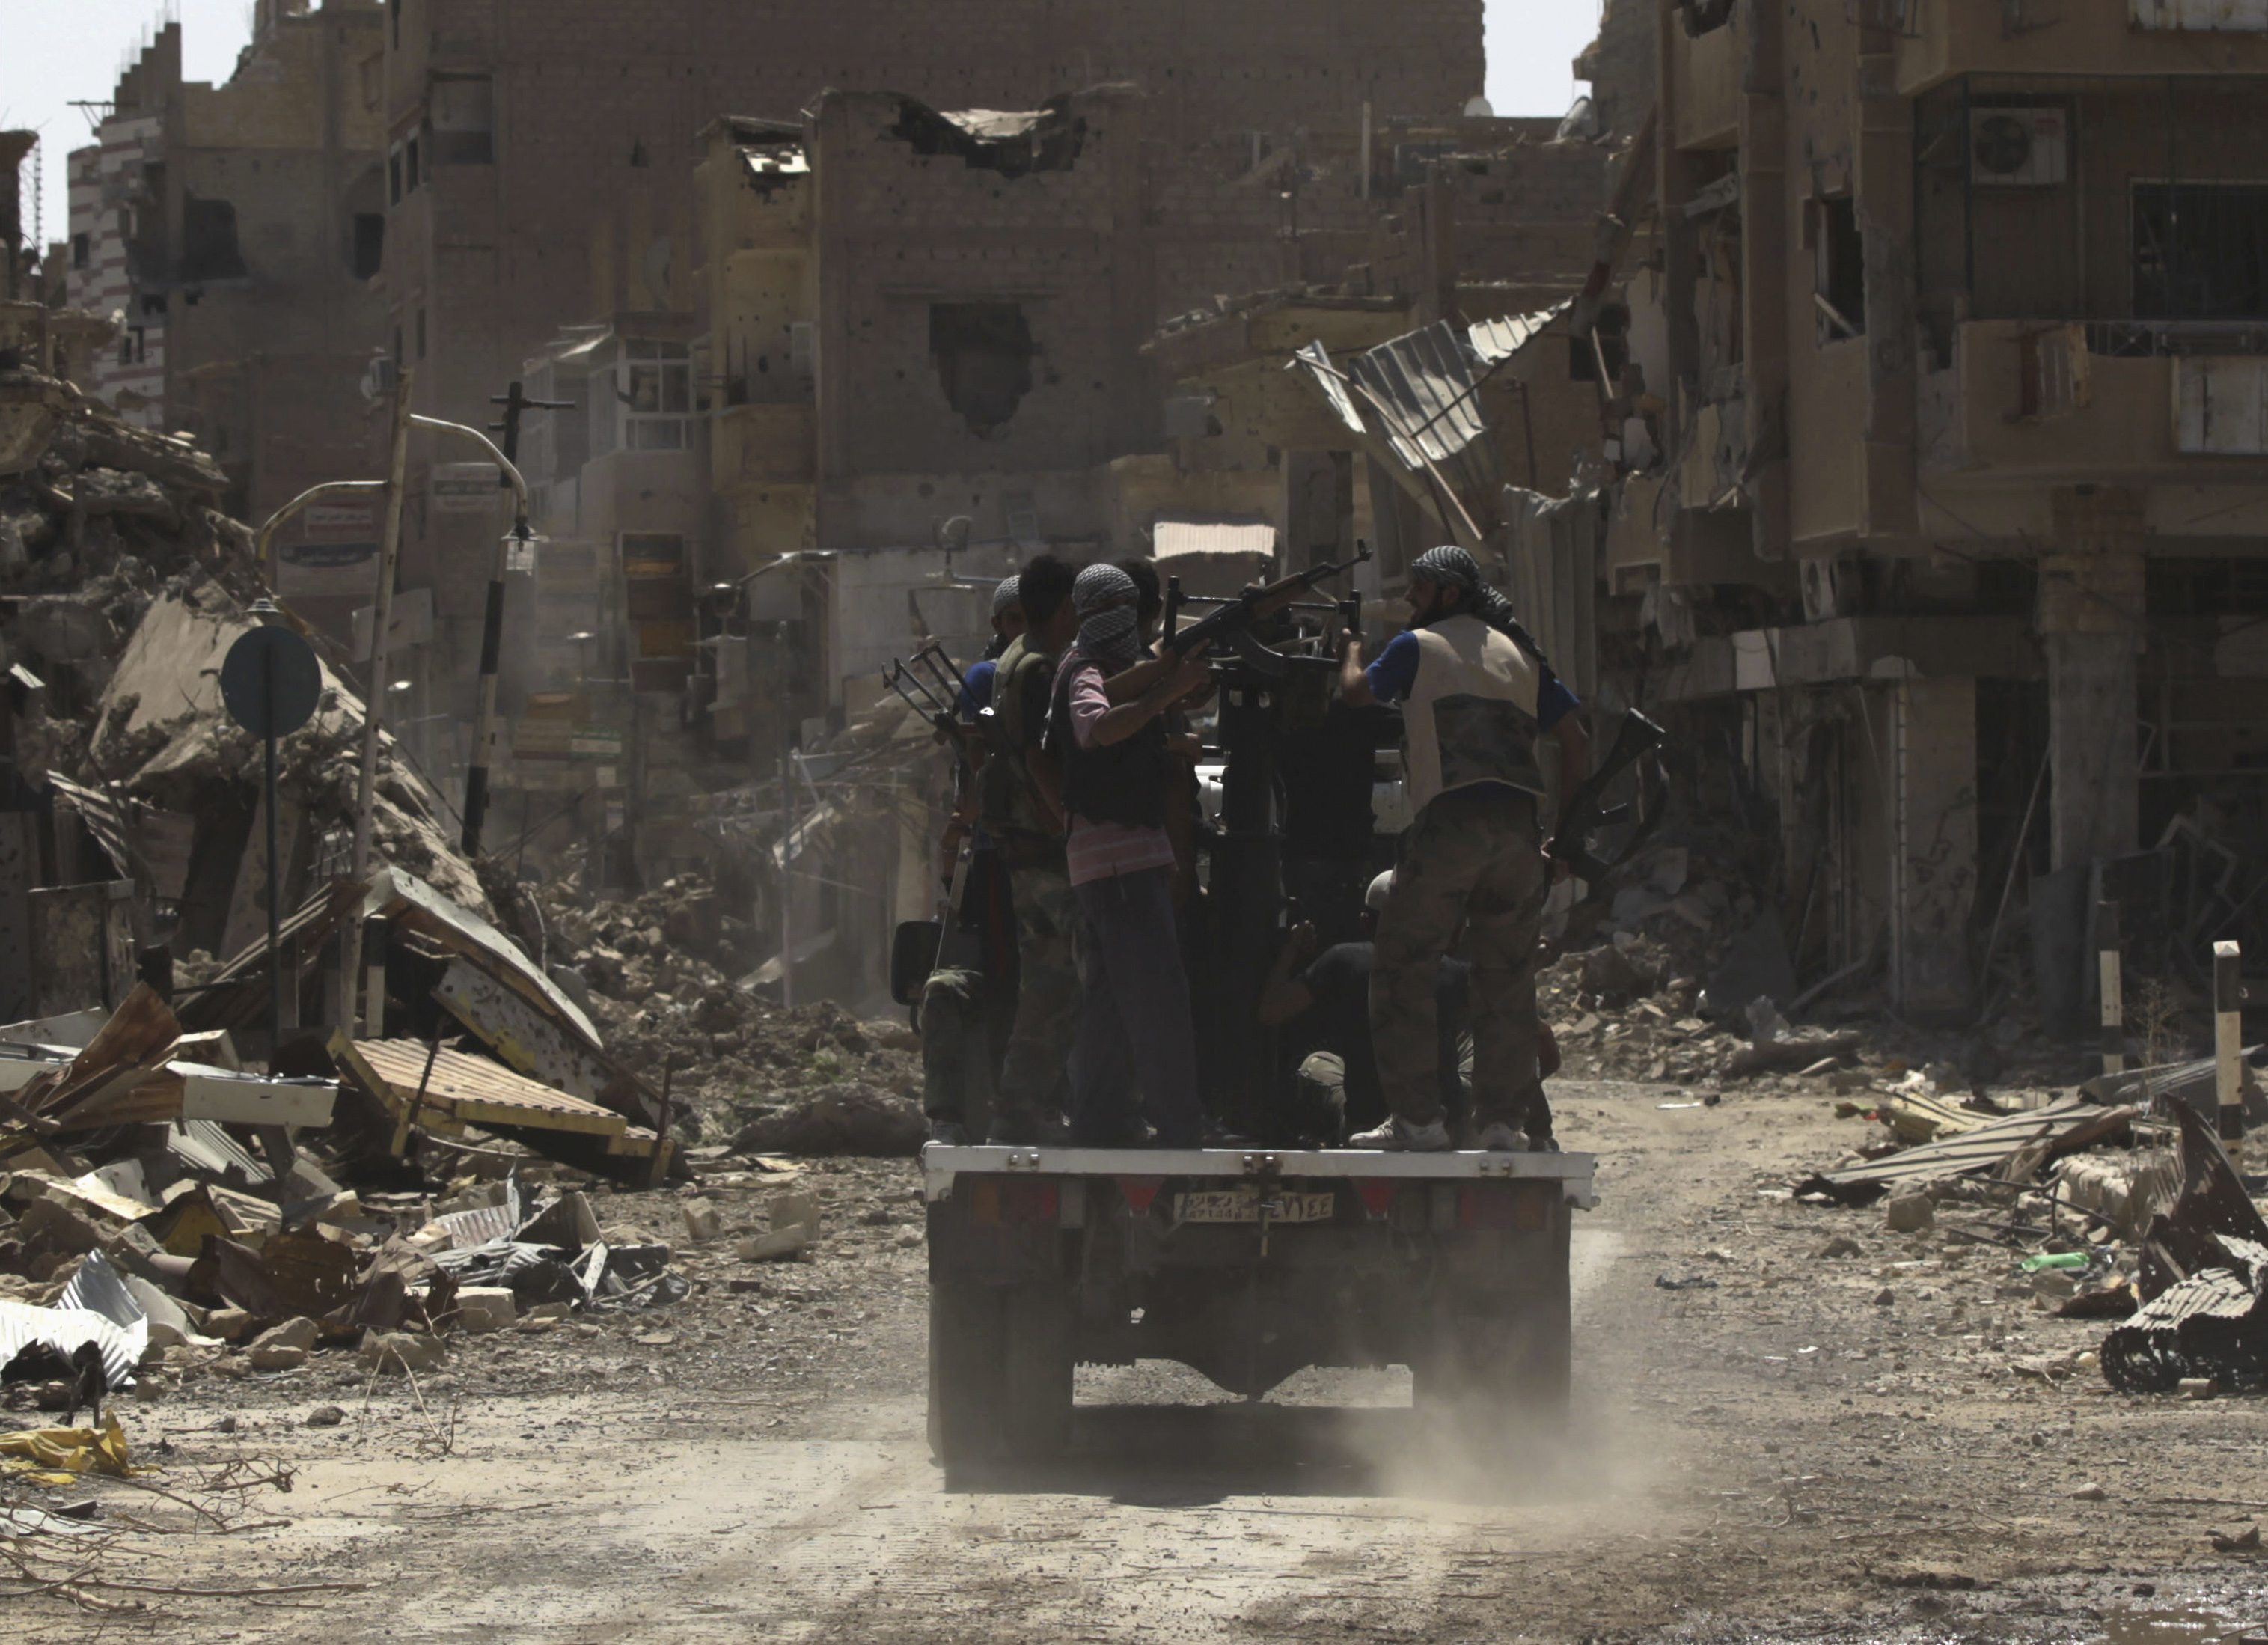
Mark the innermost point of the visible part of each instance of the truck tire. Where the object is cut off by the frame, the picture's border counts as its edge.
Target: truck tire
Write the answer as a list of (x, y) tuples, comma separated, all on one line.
[(1036, 1386), (965, 1365)]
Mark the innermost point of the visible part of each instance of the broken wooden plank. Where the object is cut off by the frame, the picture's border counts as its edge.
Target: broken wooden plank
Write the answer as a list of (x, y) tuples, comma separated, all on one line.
[(2065, 1128), (247, 1099), (528, 1038), (468, 1090)]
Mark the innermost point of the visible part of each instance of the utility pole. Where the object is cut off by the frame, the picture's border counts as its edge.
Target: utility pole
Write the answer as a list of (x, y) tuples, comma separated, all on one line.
[(373, 704), (515, 403), (787, 825)]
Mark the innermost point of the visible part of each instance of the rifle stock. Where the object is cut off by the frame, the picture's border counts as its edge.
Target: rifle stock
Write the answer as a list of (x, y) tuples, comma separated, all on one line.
[(1586, 810)]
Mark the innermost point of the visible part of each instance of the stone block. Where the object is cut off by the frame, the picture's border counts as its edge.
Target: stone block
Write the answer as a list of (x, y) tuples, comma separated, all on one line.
[(1910, 1214), (393, 1351), (485, 1307)]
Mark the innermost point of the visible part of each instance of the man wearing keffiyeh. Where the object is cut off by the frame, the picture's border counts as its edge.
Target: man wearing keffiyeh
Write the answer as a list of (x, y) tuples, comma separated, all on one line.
[(1135, 1010), (1477, 698)]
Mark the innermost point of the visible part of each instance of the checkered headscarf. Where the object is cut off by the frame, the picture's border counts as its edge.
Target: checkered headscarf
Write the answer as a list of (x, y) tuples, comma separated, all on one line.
[(1452, 565), (1108, 602)]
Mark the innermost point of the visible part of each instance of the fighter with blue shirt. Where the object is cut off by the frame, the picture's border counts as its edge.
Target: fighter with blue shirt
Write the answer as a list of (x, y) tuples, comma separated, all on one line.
[(1476, 695)]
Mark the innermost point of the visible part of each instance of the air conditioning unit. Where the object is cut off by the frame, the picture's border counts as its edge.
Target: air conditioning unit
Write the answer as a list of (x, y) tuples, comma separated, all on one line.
[(378, 378), (2019, 147)]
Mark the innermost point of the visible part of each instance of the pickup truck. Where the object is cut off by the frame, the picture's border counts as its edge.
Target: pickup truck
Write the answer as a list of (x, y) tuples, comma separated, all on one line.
[(1245, 1265)]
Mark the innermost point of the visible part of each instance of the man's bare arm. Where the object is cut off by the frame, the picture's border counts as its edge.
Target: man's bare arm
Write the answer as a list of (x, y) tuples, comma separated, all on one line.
[(1354, 684)]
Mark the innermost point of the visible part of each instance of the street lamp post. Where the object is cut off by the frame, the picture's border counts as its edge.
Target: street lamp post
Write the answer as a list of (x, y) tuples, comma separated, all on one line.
[(476, 774)]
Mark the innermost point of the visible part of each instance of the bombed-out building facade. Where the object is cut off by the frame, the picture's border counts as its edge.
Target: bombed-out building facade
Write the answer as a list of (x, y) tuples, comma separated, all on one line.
[(1955, 538), (1869, 386)]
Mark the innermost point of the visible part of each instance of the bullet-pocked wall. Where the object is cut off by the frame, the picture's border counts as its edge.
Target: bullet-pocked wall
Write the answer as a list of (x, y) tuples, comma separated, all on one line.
[(512, 124)]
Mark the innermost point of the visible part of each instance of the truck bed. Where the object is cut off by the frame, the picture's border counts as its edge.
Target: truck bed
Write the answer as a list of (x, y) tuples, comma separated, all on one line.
[(941, 1165)]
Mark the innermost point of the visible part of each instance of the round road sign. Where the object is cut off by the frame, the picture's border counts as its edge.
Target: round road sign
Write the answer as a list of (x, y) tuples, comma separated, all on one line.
[(270, 681)]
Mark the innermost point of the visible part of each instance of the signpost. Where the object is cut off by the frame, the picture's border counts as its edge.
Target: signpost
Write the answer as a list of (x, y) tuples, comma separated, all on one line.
[(270, 681)]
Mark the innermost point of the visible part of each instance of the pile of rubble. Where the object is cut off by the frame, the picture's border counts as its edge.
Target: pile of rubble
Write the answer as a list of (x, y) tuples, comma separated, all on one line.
[(2114, 1201), (123, 585), (1680, 983), (666, 977)]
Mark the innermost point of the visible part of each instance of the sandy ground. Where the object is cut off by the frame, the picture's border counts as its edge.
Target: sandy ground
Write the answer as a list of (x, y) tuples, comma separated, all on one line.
[(1878, 1446)]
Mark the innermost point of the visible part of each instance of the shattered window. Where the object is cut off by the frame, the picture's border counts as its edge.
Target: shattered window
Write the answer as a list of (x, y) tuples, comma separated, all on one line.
[(983, 355)]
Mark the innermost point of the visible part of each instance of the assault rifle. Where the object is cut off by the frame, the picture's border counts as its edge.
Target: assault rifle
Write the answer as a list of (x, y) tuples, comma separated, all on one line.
[(1584, 810), (1230, 624)]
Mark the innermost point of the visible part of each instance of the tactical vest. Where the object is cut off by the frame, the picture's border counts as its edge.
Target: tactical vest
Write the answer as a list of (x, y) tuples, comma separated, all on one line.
[(1006, 805), (1125, 783), (1470, 717)]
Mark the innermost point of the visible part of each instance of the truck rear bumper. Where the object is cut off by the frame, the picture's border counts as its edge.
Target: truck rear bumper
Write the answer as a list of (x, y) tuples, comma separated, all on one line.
[(941, 1165)]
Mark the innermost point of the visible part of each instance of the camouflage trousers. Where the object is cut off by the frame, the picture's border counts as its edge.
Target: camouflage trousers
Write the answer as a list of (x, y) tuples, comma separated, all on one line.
[(1032, 1076), (1471, 876), (956, 1035)]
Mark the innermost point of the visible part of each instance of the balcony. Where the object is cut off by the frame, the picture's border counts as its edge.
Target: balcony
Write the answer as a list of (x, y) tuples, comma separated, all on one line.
[(2102, 401)]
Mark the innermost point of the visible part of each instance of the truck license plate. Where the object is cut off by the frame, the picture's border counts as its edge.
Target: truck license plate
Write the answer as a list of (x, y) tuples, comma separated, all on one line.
[(1242, 1204)]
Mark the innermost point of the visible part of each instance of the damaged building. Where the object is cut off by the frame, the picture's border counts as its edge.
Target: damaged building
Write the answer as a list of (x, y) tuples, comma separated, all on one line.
[(237, 231), (1953, 545), (512, 128)]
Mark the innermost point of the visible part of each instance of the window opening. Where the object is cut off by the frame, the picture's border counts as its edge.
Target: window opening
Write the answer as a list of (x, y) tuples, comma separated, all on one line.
[(2200, 251), (1839, 250)]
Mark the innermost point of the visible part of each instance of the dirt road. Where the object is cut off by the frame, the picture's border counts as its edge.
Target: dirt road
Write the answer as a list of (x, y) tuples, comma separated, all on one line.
[(1883, 1446)]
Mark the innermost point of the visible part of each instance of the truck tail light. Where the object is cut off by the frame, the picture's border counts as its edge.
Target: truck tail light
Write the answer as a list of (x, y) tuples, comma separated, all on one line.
[(993, 1202), (1138, 1191), (1377, 1195)]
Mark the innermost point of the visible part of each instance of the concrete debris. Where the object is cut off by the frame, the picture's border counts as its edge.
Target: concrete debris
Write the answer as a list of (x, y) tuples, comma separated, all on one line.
[(662, 977), (1911, 1212), (283, 1347), (846, 1118), (485, 1307), (396, 1352)]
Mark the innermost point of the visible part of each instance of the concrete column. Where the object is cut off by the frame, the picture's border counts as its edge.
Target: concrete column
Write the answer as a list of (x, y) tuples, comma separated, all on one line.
[(1932, 844), (2090, 620)]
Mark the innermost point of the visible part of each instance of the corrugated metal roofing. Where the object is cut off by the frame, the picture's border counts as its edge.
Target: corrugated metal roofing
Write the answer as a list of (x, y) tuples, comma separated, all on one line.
[(474, 1088), (1172, 537), (96, 1307), (2064, 1127), (1415, 396), (1495, 341)]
